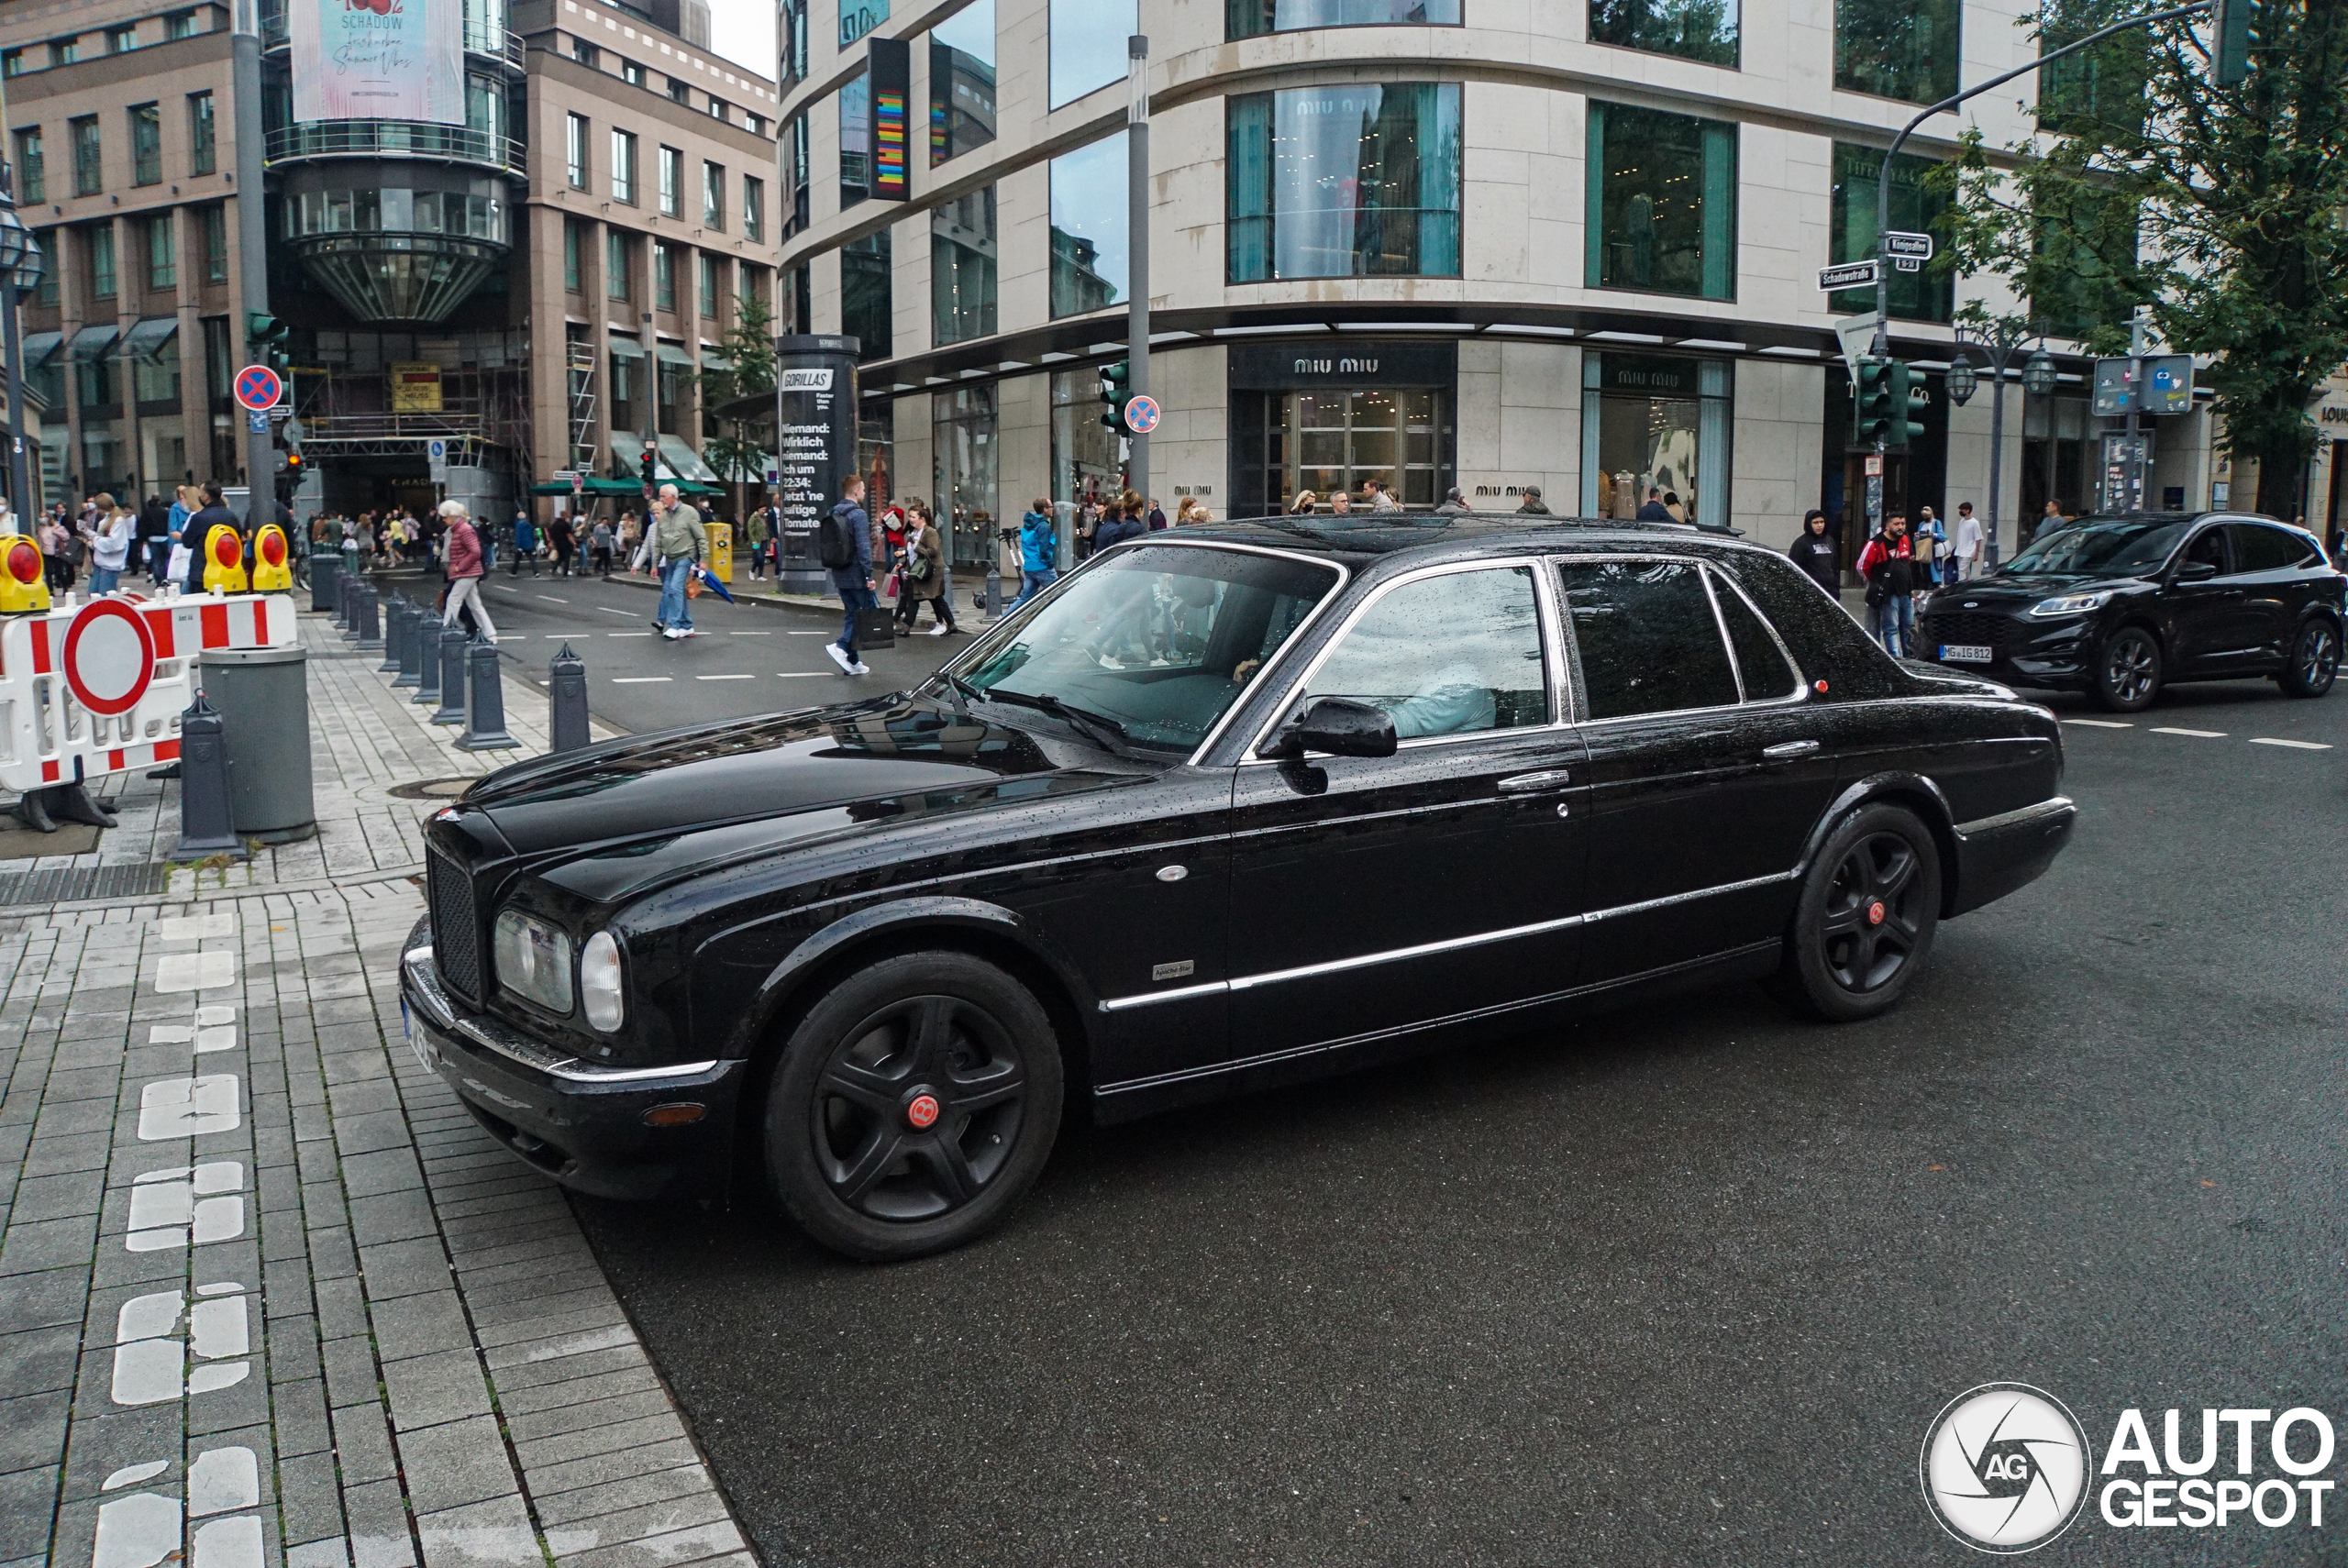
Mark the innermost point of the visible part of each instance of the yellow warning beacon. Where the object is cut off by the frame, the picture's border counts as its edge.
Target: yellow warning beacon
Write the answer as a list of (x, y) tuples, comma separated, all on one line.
[(23, 586), (224, 561), (270, 572)]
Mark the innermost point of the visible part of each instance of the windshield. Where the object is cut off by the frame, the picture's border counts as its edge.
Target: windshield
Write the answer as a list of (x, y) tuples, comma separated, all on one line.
[(1159, 640), (2102, 546)]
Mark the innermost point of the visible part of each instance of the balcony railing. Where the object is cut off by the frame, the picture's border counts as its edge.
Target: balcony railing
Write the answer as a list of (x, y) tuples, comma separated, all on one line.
[(396, 139)]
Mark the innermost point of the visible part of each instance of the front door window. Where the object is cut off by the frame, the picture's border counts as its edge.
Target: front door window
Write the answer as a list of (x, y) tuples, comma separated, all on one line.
[(1454, 653)]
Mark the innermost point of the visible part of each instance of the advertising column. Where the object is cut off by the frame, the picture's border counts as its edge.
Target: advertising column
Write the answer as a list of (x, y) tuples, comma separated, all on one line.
[(815, 451)]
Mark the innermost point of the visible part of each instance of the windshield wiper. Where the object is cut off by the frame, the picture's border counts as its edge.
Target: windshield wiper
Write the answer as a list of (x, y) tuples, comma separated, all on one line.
[(961, 688), (1088, 724)]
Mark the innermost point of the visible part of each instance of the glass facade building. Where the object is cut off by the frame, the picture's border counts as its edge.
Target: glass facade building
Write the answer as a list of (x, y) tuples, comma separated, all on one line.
[(1345, 181)]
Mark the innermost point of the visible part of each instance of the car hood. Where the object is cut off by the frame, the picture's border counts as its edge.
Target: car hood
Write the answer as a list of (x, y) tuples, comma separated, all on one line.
[(716, 775), (2007, 592)]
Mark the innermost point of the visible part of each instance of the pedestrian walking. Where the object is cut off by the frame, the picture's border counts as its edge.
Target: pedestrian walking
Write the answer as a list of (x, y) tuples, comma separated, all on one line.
[(1455, 504), (1381, 499), (1039, 547), (213, 514), (757, 531), (1931, 538), (1129, 524), (2049, 520), (468, 564), (1304, 505), (680, 545), (599, 541), (1157, 516), (1967, 546), (843, 544), (1815, 553), (152, 547), (524, 535), (924, 577), (565, 542), (1531, 505), (1891, 571), (110, 546), (1188, 511)]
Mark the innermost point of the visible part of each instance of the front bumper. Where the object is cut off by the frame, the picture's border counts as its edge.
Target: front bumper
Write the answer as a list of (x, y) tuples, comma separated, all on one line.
[(2025, 652), (1997, 855), (583, 1125)]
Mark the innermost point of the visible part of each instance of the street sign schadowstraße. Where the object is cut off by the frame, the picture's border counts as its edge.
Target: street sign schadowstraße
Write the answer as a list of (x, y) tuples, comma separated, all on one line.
[(1849, 275)]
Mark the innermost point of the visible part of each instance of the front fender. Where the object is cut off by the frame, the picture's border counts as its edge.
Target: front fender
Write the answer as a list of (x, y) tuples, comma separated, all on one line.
[(897, 917)]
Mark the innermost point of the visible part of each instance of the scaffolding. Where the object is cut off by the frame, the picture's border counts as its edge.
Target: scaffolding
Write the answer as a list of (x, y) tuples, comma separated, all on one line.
[(583, 403)]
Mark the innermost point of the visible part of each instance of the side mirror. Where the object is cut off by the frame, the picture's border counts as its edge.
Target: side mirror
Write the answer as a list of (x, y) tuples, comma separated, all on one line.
[(1337, 726), (2195, 572)]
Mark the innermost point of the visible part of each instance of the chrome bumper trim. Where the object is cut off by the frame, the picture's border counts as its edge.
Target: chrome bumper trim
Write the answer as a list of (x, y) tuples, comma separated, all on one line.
[(423, 989), (2057, 806)]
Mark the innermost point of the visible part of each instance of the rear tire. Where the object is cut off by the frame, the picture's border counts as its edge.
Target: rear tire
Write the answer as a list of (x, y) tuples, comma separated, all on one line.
[(1864, 924), (2314, 663), (914, 1104), (2127, 671)]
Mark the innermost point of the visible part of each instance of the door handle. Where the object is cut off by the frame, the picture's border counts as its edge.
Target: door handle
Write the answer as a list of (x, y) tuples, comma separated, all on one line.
[(1529, 783), (1786, 751)]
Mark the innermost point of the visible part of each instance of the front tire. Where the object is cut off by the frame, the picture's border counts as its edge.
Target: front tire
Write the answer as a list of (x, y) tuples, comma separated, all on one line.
[(913, 1105), (2127, 671), (2314, 663), (1864, 924)]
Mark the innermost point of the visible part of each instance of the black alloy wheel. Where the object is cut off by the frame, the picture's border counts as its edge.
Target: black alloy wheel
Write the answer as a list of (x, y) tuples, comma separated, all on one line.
[(1864, 924), (915, 1102), (2315, 660), (2128, 670)]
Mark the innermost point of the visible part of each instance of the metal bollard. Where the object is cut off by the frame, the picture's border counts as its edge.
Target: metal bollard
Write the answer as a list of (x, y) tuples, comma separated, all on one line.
[(427, 661), (566, 702), (484, 703), (396, 624), (421, 626), (354, 594), (370, 620), (452, 676), (206, 827), (326, 570)]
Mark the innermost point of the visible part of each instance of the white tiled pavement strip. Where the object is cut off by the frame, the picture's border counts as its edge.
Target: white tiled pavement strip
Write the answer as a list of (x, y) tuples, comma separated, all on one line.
[(269, 1298)]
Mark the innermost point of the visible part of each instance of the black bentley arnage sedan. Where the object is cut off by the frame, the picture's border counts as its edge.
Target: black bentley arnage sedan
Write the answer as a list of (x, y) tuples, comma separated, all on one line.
[(1227, 807)]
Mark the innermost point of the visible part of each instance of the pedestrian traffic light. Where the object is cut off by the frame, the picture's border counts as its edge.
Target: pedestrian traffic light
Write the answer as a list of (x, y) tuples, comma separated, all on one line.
[(1871, 401), (651, 468), (1115, 380), (1907, 400), (2234, 33)]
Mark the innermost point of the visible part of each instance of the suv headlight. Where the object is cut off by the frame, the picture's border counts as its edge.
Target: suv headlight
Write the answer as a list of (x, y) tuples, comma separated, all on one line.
[(533, 959), (599, 982), (2070, 604)]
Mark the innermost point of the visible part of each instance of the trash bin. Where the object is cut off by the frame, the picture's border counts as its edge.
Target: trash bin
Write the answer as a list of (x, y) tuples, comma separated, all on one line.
[(263, 696)]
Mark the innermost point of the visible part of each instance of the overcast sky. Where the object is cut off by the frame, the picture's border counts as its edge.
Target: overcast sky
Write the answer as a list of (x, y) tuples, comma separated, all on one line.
[(743, 31)]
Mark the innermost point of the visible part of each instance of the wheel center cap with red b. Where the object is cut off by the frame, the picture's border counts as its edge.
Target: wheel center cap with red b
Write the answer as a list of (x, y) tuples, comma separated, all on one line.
[(921, 1110), (1876, 912)]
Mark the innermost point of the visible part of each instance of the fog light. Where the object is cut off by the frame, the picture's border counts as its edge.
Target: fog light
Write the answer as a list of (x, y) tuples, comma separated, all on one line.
[(676, 1115)]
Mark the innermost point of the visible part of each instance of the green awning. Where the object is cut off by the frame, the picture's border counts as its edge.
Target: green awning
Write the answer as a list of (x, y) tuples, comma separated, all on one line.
[(147, 337), (713, 360), (627, 347), (671, 354), (39, 346), (91, 342), (592, 487), (685, 463)]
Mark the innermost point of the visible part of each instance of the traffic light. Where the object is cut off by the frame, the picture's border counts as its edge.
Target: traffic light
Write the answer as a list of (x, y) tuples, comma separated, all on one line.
[(1871, 401), (1907, 400), (1116, 383), (267, 335), (651, 469), (2235, 32)]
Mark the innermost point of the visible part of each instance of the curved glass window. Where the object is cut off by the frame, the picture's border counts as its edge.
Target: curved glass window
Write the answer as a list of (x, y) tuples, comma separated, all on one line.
[(1695, 29), (961, 82), (1087, 45), (1090, 224), (1345, 181), (393, 211), (1253, 18)]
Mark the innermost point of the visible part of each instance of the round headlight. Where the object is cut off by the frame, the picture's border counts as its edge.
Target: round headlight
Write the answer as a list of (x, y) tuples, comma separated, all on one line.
[(599, 982)]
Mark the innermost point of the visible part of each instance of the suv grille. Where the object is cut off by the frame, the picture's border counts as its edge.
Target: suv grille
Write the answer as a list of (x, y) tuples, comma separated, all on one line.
[(456, 927), (1980, 630)]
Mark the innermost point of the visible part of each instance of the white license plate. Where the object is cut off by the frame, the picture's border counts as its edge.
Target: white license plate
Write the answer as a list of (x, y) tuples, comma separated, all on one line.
[(1967, 653), (426, 1057)]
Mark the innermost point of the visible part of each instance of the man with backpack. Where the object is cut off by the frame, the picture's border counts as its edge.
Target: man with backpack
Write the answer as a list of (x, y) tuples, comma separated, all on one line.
[(843, 544), (1039, 552), (1889, 568)]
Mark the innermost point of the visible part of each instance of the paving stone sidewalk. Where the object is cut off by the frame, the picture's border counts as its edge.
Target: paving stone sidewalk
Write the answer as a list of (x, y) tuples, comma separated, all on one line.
[(269, 1296)]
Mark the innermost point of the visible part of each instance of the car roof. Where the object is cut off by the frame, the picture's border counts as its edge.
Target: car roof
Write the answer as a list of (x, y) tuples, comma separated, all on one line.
[(1443, 536)]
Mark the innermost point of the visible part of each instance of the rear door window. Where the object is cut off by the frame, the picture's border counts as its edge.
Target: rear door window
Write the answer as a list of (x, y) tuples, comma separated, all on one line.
[(1759, 661), (2258, 547), (1646, 637)]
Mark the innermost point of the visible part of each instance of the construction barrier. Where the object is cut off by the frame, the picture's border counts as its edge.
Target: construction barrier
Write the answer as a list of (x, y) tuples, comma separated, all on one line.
[(98, 688)]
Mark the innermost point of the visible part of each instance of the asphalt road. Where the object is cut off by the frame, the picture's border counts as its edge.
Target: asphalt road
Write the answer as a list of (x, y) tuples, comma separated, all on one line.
[(1681, 1284), (749, 658)]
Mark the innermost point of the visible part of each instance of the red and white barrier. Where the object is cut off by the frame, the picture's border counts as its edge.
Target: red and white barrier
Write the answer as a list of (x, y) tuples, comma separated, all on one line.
[(98, 688)]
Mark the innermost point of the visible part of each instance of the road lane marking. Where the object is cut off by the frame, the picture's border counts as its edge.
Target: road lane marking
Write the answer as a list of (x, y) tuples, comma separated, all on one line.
[(609, 611), (2295, 745), (2102, 723), (2197, 735), (724, 678), (552, 600), (628, 633), (807, 634), (749, 633), (800, 674), (637, 680)]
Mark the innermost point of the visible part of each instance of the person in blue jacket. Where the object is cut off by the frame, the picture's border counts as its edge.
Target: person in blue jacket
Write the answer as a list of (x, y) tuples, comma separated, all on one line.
[(1039, 551), (525, 542)]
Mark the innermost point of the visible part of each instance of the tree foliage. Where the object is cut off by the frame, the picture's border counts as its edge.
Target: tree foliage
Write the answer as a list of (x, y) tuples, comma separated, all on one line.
[(2219, 208), (747, 348)]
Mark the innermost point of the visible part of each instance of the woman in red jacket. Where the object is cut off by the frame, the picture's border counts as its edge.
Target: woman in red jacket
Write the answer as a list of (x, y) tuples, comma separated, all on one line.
[(464, 572)]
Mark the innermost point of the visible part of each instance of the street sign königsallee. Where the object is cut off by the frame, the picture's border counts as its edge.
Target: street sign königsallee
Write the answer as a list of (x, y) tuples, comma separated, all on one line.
[(1916, 246), (1850, 275)]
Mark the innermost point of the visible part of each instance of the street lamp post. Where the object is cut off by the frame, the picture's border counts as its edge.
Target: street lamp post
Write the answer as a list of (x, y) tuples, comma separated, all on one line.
[(1998, 343), (20, 270)]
